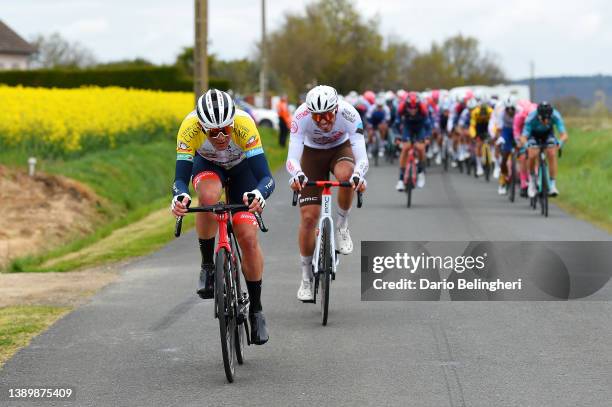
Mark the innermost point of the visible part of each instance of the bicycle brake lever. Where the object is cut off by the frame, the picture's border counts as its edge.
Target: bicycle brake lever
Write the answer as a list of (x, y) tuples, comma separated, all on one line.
[(260, 223), (177, 226)]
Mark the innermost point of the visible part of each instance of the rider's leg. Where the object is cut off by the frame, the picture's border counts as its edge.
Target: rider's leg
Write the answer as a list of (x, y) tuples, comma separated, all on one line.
[(532, 155), (551, 154), (383, 128), (479, 157), (208, 188), (309, 218), (343, 171), (246, 229), (523, 172)]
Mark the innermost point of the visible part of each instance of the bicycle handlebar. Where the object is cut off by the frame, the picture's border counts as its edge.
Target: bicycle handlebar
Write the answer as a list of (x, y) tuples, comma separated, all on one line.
[(323, 184), (221, 208)]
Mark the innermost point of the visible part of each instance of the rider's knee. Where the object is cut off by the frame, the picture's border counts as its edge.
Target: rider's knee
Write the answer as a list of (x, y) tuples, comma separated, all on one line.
[(309, 220), (343, 171)]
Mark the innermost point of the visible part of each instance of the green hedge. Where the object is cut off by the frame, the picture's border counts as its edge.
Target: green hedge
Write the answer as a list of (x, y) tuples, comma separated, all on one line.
[(167, 78)]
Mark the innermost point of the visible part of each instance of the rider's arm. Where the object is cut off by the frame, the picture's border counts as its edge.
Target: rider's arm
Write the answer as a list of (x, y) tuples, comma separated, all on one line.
[(182, 174), (296, 148), (188, 138), (359, 151), (560, 125), (261, 171), (528, 124), (473, 123)]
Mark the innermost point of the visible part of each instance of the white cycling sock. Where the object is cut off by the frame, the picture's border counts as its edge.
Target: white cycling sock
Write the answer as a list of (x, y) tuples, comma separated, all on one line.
[(342, 219), (306, 267)]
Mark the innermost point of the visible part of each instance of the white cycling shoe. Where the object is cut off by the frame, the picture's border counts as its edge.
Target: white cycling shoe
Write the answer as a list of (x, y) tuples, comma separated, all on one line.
[(553, 191), (344, 244), (531, 188), (438, 159), (399, 186), (502, 190), (496, 172), (479, 171), (305, 291), (420, 180)]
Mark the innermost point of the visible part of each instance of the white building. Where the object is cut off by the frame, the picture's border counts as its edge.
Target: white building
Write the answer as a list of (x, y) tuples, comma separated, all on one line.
[(14, 51)]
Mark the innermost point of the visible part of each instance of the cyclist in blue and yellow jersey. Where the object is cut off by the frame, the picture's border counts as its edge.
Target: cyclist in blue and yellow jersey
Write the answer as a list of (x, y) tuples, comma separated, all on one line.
[(501, 125), (539, 130), (217, 142)]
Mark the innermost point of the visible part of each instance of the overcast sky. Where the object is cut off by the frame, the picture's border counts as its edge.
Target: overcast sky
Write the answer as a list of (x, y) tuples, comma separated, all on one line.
[(563, 37)]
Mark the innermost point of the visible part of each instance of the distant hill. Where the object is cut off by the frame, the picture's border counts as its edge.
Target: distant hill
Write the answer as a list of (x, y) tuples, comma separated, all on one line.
[(582, 87)]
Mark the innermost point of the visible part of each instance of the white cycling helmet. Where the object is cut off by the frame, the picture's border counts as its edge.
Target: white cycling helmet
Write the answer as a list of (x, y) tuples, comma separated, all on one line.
[(215, 109), (321, 99), (472, 103), (510, 102)]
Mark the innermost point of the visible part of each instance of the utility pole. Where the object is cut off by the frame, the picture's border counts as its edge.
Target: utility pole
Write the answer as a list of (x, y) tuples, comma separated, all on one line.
[(531, 81), (200, 51), (262, 73)]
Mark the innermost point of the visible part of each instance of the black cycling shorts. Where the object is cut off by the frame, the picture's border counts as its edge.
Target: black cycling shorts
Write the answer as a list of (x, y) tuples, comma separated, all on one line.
[(239, 178)]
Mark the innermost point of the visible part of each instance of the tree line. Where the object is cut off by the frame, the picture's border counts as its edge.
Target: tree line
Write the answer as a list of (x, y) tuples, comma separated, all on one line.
[(329, 42)]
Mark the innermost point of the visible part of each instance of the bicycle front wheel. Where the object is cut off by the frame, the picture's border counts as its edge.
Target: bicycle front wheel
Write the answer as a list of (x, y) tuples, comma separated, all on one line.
[(225, 304), (544, 195), (325, 268)]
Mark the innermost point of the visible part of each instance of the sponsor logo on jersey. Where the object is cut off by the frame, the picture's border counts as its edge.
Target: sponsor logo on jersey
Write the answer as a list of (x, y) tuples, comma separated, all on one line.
[(254, 152), (348, 115), (335, 136), (183, 148), (302, 114), (184, 157), (190, 132), (252, 142), (294, 126)]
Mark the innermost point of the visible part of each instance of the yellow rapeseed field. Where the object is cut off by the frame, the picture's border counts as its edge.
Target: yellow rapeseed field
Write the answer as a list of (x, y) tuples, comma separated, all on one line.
[(66, 121)]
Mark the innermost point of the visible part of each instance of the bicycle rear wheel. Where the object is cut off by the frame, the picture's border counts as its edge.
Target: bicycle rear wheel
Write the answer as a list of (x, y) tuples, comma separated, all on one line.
[(512, 192), (225, 305), (409, 187), (325, 268)]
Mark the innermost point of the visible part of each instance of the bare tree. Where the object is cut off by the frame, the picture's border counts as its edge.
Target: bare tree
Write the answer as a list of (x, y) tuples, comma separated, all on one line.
[(55, 51)]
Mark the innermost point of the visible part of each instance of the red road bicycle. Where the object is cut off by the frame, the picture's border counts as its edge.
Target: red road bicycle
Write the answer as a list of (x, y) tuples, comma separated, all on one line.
[(231, 302)]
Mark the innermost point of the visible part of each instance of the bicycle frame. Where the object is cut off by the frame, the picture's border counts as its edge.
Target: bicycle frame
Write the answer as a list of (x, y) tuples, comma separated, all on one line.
[(411, 163), (326, 213)]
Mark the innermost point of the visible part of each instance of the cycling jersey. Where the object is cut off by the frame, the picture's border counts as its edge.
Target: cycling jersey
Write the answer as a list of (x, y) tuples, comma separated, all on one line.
[(305, 132), (245, 141), (479, 120), (454, 117), (520, 116), (533, 125), (463, 120), (377, 115), (417, 126), (245, 144)]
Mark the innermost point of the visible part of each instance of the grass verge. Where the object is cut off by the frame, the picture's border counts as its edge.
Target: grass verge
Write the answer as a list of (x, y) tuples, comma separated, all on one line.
[(19, 324), (135, 180), (585, 176)]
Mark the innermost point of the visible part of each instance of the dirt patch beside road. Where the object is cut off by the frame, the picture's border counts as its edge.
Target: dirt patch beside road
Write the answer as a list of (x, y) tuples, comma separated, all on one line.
[(41, 212), (57, 289)]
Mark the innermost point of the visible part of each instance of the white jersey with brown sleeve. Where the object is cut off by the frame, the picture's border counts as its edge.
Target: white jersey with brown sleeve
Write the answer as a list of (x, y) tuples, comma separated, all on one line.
[(305, 132)]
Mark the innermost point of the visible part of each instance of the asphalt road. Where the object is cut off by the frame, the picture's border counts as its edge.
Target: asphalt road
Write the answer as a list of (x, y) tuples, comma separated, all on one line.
[(148, 340)]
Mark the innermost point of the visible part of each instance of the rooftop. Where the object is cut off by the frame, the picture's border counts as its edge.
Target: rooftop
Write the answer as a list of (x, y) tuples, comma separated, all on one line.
[(12, 43)]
